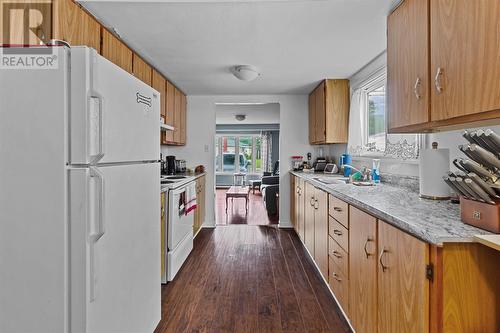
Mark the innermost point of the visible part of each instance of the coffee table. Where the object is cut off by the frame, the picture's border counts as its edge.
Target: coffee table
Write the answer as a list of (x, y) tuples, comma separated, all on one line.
[(238, 192)]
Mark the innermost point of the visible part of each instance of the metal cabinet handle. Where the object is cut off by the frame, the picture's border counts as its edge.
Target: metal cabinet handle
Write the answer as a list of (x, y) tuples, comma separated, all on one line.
[(384, 267), (368, 254), (311, 202), (415, 88), (437, 80), (336, 277), (337, 254), (297, 189), (337, 232), (337, 209), (316, 205)]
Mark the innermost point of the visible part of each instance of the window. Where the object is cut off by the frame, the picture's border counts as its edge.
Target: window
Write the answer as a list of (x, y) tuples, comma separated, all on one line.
[(375, 111), (249, 154)]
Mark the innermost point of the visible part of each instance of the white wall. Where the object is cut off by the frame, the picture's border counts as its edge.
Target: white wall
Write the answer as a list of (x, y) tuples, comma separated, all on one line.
[(199, 148)]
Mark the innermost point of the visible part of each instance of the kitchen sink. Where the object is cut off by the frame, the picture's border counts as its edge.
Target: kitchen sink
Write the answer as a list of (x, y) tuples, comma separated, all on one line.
[(331, 180)]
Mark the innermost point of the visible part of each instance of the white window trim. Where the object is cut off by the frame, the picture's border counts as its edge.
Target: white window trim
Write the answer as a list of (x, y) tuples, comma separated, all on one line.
[(236, 137)]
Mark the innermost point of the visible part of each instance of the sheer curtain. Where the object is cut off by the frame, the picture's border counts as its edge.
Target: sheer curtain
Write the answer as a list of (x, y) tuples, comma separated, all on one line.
[(267, 147), (357, 123)]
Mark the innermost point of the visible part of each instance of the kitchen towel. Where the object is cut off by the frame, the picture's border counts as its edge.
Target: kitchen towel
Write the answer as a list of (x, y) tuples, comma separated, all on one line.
[(190, 198)]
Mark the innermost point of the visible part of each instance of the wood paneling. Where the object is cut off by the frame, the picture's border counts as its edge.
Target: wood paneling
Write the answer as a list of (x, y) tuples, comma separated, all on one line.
[(321, 231), (73, 25), (25, 23), (339, 210), (403, 289), (309, 218), (115, 51), (471, 283), (320, 114), (464, 44), (337, 111), (362, 271), (141, 69), (407, 62)]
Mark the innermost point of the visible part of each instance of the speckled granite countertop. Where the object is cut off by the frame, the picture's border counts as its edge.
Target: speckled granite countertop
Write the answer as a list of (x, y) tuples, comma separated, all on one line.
[(435, 222), (189, 178)]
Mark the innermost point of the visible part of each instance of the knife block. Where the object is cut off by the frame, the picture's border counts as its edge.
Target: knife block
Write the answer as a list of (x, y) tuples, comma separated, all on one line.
[(480, 214)]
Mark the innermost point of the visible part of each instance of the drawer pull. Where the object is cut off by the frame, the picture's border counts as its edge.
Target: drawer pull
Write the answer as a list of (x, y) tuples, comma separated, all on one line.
[(381, 261), (337, 277), (337, 209), (337, 254), (368, 254), (337, 232)]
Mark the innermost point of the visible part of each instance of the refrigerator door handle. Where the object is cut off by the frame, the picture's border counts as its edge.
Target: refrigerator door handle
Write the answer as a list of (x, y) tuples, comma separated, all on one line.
[(96, 225), (96, 103)]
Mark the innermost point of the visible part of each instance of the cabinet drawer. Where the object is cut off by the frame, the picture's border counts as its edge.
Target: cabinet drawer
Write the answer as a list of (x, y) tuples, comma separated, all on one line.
[(339, 233), (338, 255), (339, 210), (339, 284)]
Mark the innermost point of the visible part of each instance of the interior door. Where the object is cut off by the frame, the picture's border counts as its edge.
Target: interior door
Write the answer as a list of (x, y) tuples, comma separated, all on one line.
[(123, 249), (403, 289), (464, 57), (408, 64), (362, 271), (121, 113), (309, 217)]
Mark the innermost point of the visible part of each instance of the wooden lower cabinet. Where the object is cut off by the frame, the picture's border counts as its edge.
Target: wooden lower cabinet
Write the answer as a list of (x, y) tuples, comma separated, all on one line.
[(362, 271), (199, 213), (300, 208), (309, 218), (321, 231), (403, 289)]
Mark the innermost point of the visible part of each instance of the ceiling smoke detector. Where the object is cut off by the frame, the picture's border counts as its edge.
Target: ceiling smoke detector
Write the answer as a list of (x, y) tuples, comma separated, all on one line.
[(245, 72), (240, 117)]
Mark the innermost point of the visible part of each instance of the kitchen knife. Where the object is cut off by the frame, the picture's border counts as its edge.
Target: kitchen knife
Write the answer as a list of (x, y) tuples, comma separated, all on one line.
[(493, 138), (468, 136), (453, 186), (457, 163), (475, 167), (484, 142), (485, 155), (478, 190), (465, 187), (462, 189), (484, 185), (463, 149)]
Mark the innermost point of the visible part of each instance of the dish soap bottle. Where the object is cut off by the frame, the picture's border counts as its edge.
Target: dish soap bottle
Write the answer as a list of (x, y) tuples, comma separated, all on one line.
[(376, 170)]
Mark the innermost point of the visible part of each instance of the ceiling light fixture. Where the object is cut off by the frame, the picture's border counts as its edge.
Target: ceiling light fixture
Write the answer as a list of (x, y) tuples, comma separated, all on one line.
[(245, 72), (240, 117)]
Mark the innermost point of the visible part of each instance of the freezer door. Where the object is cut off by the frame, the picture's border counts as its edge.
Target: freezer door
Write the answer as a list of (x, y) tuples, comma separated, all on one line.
[(115, 242), (114, 116)]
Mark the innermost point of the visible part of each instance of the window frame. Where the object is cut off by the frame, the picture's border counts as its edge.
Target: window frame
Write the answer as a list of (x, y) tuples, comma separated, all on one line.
[(372, 84), (218, 138)]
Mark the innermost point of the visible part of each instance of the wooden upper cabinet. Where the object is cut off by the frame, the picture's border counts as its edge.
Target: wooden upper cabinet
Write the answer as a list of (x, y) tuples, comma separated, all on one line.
[(183, 121), (321, 231), (408, 83), (115, 51), (169, 111), (177, 116), (18, 19), (403, 289), (159, 83), (329, 112), (312, 117), (73, 25), (363, 271), (465, 46), (141, 69)]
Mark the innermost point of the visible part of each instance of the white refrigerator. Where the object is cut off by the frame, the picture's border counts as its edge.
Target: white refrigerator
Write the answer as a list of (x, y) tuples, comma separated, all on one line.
[(79, 197)]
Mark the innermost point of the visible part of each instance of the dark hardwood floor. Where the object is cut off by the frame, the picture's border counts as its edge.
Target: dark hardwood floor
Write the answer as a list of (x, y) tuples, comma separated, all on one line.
[(236, 212), (242, 278)]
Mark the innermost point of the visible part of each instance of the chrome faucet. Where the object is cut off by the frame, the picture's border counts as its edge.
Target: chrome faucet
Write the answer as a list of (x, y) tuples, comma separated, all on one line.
[(366, 172)]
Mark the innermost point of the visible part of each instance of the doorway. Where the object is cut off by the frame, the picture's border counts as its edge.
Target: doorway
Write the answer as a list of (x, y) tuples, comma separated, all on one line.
[(246, 163)]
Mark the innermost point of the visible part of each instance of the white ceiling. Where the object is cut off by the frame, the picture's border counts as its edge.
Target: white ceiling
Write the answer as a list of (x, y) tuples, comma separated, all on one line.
[(255, 114), (294, 43)]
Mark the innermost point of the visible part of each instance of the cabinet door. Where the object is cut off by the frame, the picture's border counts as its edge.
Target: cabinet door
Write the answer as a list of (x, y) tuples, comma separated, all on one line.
[(197, 215), (336, 110), (159, 83), (183, 120), (170, 111), (408, 64), (202, 202), (464, 45), (320, 127), (115, 51), (362, 271), (309, 218), (312, 117), (177, 116), (73, 25), (301, 209), (321, 231), (141, 69), (403, 289), (294, 198), (162, 233)]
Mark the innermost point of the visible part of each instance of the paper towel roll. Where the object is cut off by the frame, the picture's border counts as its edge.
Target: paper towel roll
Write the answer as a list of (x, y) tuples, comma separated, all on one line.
[(434, 164)]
